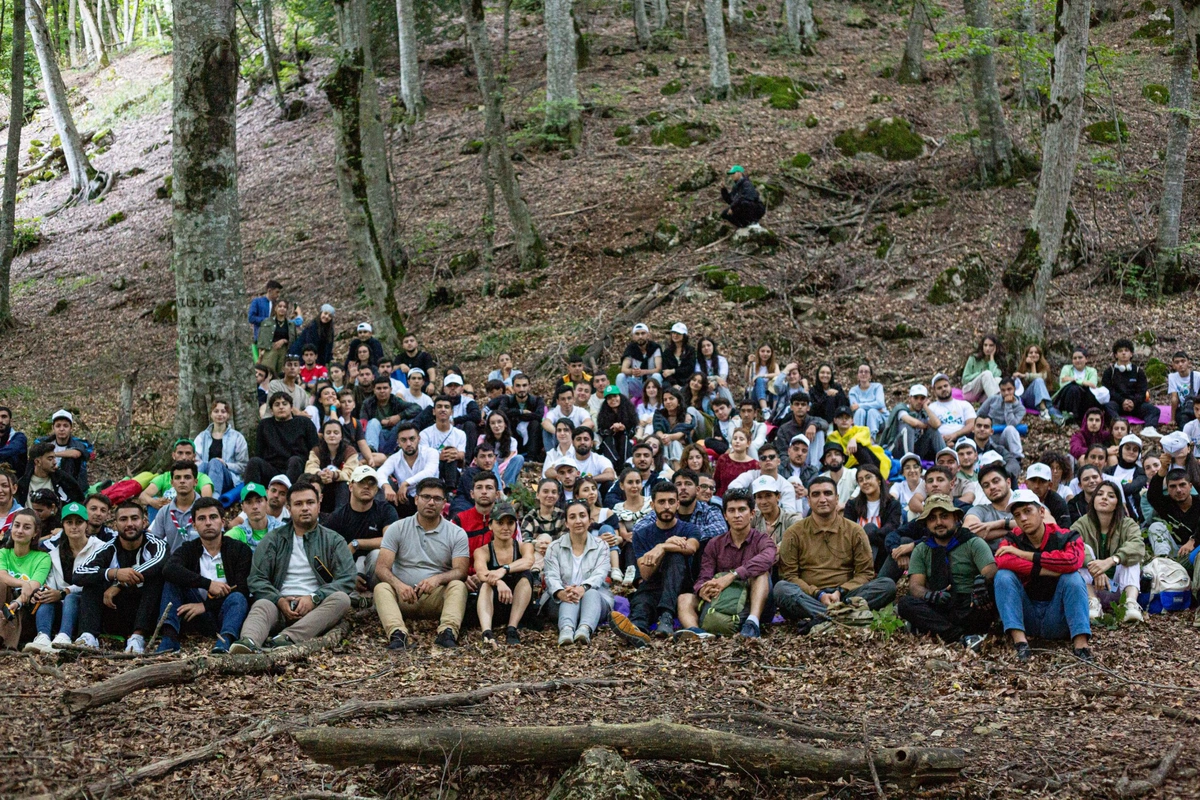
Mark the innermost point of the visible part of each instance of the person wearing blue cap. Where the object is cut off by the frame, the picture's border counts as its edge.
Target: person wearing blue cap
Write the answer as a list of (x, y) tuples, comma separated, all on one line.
[(745, 206)]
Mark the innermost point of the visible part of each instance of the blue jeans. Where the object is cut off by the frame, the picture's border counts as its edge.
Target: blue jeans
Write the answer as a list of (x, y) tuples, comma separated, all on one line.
[(1036, 394), (512, 472), (222, 476), (1064, 616), (759, 394), (69, 609), (591, 610), (871, 418), (227, 622), (381, 439)]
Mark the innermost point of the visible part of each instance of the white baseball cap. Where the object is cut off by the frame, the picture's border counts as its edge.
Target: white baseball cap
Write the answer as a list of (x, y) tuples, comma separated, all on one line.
[(416, 371), (990, 457), (1039, 470), (764, 484), (1023, 497), (62, 413), (452, 380), (679, 328), (1129, 438), (363, 473), (918, 390), (910, 457), (950, 451), (941, 376), (281, 479), (641, 327), (800, 437), (365, 327), (965, 442), (1175, 443)]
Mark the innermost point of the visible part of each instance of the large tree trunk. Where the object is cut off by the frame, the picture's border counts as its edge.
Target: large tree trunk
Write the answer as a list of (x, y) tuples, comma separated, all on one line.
[(562, 96), (210, 290), (364, 180), (664, 741), (1023, 318), (912, 65), (994, 147), (410, 62), (56, 97), (641, 23), (12, 160), (91, 34), (718, 56), (530, 251), (72, 36), (266, 22), (1178, 135), (801, 29)]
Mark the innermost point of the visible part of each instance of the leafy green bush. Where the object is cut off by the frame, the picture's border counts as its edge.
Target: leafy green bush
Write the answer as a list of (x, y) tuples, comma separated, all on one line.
[(28, 235)]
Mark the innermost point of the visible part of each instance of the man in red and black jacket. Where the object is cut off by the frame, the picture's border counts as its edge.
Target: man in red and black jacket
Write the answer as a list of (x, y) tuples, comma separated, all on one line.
[(476, 520), (1038, 587)]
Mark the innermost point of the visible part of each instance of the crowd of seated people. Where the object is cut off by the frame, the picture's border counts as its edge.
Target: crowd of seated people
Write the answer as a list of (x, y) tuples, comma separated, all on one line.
[(669, 502)]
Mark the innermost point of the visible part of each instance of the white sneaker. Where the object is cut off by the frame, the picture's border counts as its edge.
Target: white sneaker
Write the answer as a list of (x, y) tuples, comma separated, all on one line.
[(1045, 414), (1148, 432), (87, 640), (1133, 611), (566, 637), (40, 644), (60, 638), (630, 574), (1094, 609), (616, 575), (135, 644)]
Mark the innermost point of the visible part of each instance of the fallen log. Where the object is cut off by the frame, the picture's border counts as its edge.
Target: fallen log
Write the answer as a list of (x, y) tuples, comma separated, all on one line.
[(170, 673), (85, 139), (1128, 788), (348, 747), (794, 728)]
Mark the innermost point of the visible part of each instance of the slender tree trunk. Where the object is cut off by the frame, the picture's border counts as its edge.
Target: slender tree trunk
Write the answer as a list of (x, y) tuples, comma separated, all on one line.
[(106, 9), (93, 43), (1023, 318), (662, 15), (210, 289), (994, 147), (12, 161), (641, 23), (912, 65), (562, 96), (132, 25), (410, 62), (266, 23), (718, 56), (1178, 136), (530, 251), (72, 36), (801, 28), (364, 181), (737, 18), (56, 97)]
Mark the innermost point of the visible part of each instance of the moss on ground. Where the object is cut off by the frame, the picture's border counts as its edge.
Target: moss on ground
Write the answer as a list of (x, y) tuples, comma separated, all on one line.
[(891, 138), (781, 93), (684, 134), (1107, 131)]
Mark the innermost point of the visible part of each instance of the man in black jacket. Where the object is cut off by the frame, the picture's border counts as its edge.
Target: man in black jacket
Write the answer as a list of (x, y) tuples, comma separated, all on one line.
[(206, 582), (122, 583), (745, 206), (284, 442), (43, 473), (383, 412), (1128, 387), (525, 411)]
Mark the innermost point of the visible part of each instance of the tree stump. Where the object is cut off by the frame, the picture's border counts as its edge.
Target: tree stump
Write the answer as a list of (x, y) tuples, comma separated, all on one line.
[(601, 774)]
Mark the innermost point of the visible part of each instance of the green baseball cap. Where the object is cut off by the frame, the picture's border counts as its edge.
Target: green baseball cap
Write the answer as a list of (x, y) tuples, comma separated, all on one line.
[(253, 488), (183, 441), (735, 168), (75, 510), (610, 390)]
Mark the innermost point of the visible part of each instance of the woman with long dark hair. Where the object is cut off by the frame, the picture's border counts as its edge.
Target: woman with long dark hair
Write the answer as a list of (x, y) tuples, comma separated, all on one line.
[(616, 423), (1078, 385), (509, 462), (679, 357), (984, 368), (673, 424), (1113, 550), (710, 363), (826, 394), (318, 333), (875, 510), (332, 462)]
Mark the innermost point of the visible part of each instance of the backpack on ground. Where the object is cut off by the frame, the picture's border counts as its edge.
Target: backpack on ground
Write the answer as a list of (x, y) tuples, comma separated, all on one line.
[(723, 616)]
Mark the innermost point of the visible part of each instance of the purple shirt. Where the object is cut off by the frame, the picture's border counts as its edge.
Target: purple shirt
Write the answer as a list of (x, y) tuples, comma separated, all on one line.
[(755, 557)]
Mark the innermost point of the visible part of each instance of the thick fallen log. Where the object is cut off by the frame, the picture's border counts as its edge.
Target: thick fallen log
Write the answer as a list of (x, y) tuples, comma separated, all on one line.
[(794, 728), (664, 741), (170, 673)]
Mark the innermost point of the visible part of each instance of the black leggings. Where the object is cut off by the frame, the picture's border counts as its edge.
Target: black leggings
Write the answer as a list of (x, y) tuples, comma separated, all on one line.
[(741, 215)]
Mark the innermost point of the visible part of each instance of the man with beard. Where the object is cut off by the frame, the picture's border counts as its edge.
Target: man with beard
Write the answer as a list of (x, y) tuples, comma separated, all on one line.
[(525, 412), (917, 428), (956, 416), (643, 461), (947, 589), (664, 551), (986, 442), (13, 444), (99, 513), (799, 471), (589, 463), (476, 521), (768, 463), (173, 524), (361, 522), (846, 480), (991, 520), (412, 463), (43, 473), (813, 428), (449, 441), (122, 583), (641, 360)]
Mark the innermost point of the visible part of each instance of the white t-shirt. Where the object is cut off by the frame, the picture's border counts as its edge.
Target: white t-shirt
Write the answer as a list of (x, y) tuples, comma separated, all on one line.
[(577, 415), (434, 439), (954, 414), (593, 465), (901, 492), (212, 567), (1192, 431), (422, 399), (300, 579), (1182, 385)]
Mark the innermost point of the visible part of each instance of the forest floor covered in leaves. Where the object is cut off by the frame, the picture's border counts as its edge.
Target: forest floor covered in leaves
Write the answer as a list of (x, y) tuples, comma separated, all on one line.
[(1027, 730)]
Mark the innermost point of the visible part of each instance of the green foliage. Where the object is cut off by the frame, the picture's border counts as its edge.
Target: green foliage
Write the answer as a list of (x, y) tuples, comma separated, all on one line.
[(684, 134), (886, 621), (964, 283), (801, 161), (1107, 131), (114, 219), (671, 87), (745, 294), (1156, 372), (856, 17), (1156, 93), (716, 278), (27, 235), (891, 138)]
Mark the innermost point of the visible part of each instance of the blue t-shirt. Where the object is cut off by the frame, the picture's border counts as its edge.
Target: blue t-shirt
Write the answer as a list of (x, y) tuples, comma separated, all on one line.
[(646, 540)]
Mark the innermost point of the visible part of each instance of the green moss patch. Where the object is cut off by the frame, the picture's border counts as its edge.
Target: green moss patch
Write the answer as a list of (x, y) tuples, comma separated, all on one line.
[(1156, 93), (1156, 372), (891, 138), (800, 161), (701, 177), (671, 87), (684, 134), (1107, 131), (781, 93), (966, 282), (745, 294), (716, 278)]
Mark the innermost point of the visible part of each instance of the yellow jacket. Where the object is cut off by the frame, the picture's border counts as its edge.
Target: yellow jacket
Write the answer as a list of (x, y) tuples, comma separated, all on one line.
[(862, 435)]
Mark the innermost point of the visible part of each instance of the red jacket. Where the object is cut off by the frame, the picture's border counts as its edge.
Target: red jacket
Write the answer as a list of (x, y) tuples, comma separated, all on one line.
[(1061, 552)]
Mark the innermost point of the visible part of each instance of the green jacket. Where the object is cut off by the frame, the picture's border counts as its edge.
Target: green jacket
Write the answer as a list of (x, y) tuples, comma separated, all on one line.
[(974, 367), (1126, 544), (268, 570)]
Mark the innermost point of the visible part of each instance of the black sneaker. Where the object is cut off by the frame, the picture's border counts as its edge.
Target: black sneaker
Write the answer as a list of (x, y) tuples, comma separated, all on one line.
[(399, 641), (511, 636), (973, 641), (666, 625), (1084, 654), (489, 638), (446, 639), (1023, 652)]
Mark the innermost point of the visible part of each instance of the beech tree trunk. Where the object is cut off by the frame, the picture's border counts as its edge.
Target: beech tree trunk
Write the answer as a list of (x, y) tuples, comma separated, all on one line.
[(912, 65), (410, 65), (12, 161), (736, 18), (994, 146), (72, 37), (530, 250), (93, 43), (106, 9), (718, 56), (663, 741), (1023, 318), (364, 180), (641, 23), (56, 97), (662, 15), (1178, 136), (801, 29), (210, 289), (266, 22), (562, 95)]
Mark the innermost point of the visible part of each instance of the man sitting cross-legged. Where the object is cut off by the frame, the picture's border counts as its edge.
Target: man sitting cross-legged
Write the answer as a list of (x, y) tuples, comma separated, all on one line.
[(301, 578), (825, 559), (422, 569), (743, 555), (206, 582), (947, 590)]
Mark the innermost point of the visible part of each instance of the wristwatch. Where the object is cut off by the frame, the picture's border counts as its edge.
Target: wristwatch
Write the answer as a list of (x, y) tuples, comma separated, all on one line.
[(354, 544), (507, 568)]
